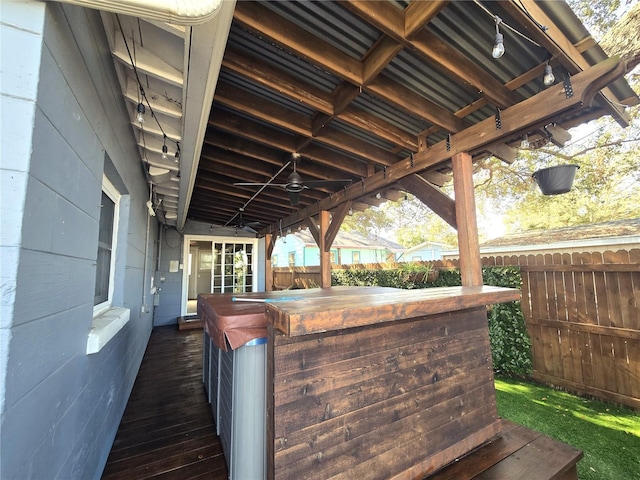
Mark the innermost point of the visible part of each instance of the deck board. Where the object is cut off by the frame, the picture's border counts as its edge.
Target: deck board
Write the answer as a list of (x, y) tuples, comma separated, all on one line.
[(167, 430)]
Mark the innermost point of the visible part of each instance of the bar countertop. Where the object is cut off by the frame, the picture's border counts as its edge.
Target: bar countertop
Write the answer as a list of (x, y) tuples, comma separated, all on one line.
[(233, 319), (366, 306)]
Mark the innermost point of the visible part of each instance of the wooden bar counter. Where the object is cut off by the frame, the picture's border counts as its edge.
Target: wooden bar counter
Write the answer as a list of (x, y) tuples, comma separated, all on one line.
[(379, 383)]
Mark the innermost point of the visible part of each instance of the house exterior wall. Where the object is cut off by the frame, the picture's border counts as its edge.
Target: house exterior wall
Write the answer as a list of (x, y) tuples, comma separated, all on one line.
[(63, 118), (343, 256), (289, 245), (309, 255), (423, 255)]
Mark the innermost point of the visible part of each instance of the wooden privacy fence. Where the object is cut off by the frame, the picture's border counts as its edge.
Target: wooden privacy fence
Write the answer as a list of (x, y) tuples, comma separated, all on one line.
[(582, 312)]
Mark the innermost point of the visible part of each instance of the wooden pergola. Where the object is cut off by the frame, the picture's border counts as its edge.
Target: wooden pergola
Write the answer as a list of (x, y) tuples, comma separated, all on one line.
[(532, 113)]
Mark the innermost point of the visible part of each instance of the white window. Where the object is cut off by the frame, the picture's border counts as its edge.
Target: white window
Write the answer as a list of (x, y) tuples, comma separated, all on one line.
[(107, 318), (107, 235)]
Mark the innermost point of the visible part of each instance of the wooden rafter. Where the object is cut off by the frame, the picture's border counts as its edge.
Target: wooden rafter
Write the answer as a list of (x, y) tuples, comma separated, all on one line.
[(531, 112), (530, 16), (392, 22)]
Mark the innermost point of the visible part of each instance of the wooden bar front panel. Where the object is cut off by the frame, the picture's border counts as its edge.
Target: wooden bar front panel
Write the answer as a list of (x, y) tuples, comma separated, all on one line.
[(392, 400)]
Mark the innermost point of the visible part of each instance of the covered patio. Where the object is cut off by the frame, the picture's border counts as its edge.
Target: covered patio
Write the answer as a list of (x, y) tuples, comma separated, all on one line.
[(221, 127)]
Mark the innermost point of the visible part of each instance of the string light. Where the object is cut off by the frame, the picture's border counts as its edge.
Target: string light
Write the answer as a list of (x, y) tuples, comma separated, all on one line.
[(549, 77), (140, 113), (141, 108), (498, 47), (164, 148)]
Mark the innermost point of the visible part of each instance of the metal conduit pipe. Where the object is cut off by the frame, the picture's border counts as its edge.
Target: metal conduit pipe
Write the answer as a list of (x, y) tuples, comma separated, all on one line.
[(178, 12)]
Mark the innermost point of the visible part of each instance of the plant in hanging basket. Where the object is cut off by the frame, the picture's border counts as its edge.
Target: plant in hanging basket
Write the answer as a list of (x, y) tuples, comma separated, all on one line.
[(555, 180)]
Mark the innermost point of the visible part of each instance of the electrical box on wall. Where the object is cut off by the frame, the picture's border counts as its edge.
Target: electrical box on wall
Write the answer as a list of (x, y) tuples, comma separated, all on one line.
[(174, 266)]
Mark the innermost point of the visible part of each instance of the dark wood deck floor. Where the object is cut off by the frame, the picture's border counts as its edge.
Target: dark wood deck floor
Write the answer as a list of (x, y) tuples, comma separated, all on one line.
[(167, 430)]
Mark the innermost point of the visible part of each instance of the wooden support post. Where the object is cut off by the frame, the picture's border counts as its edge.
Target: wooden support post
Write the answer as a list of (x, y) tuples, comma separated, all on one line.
[(269, 242), (325, 250), (470, 264)]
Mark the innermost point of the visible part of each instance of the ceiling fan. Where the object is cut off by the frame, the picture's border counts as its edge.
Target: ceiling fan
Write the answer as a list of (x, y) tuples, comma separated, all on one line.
[(295, 184), (239, 222)]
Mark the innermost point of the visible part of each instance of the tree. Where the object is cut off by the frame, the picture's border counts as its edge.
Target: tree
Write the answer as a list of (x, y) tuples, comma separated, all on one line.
[(407, 220)]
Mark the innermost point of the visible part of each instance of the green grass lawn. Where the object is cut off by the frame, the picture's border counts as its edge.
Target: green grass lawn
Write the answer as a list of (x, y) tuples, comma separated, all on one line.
[(608, 435)]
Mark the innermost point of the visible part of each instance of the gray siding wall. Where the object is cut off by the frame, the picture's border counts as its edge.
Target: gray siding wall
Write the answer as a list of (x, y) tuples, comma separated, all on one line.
[(61, 112)]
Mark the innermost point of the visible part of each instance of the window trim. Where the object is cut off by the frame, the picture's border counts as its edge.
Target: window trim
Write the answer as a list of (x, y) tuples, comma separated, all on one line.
[(107, 319), (110, 190)]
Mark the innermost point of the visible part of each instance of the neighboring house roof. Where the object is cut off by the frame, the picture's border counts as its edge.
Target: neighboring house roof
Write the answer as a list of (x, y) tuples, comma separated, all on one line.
[(598, 236), (351, 240), (618, 228)]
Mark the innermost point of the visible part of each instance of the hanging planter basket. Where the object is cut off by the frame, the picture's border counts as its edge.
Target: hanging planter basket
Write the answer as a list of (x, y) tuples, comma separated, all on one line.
[(556, 180)]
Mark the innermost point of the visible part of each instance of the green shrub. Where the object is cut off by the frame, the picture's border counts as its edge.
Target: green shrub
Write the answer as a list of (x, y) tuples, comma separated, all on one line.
[(510, 343)]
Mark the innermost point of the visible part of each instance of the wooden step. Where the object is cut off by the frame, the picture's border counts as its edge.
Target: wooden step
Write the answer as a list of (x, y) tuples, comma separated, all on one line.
[(519, 453), (189, 322)]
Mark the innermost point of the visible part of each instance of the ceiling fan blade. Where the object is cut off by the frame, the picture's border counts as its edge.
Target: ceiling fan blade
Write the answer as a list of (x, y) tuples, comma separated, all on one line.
[(328, 183), (294, 198), (260, 184)]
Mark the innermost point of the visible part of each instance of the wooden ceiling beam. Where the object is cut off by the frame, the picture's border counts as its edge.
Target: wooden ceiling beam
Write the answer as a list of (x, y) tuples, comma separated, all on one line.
[(228, 202), (379, 57), (434, 198), (234, 174), (260, 19), (418, 13), (214, 154), (320, 53), (529, 15), (467, 72), (337, 217), (258, 107), (373, 124), (414, 103), (343, 95), (219, 216), (266, 111), (249, 130), (242, 127), (313, 97), (249, 156), (272, 206), (539, 109), (391, 21), (264, 74)]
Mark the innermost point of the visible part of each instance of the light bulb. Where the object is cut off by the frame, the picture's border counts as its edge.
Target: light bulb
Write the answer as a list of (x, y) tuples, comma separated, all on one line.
[(378, 195), (549, 77), (498, 47), (177, 156), (164, 152), (525, 142), (140, 113), (351, 211)]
